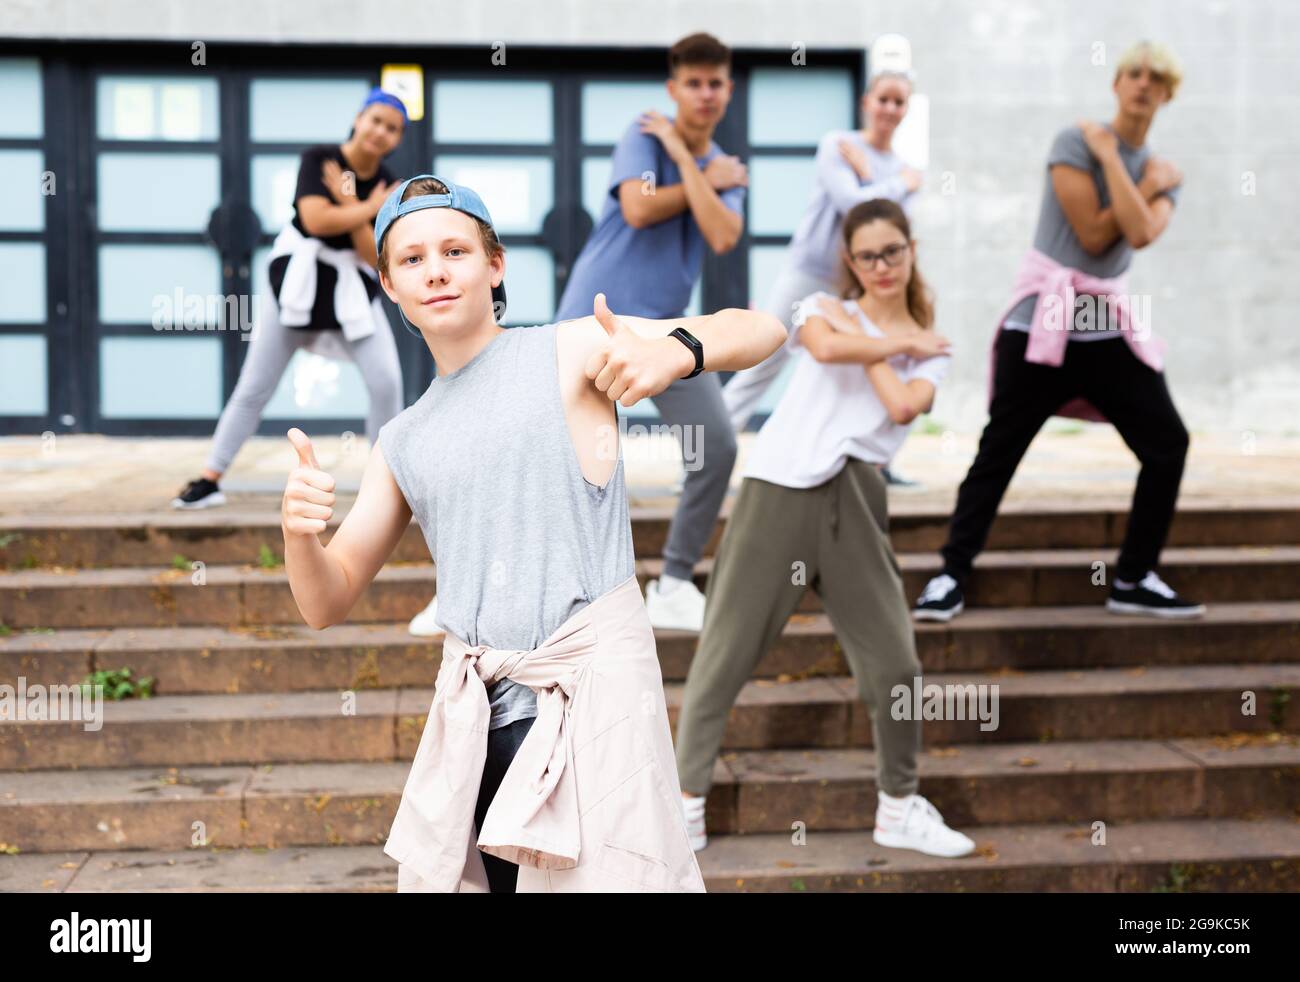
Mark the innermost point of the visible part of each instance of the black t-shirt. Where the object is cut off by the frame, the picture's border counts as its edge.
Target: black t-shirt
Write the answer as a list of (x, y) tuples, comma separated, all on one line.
[(310, 182)]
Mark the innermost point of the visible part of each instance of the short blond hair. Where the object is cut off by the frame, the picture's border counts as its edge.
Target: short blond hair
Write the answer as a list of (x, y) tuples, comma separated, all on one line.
[(1158, 57)]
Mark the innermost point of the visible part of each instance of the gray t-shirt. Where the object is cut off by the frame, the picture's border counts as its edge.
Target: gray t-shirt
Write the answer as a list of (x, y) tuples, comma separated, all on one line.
[(1055, 237), (521, 538)]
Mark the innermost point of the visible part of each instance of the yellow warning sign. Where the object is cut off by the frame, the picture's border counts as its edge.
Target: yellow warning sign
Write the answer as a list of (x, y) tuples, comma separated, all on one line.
[(407, 83)]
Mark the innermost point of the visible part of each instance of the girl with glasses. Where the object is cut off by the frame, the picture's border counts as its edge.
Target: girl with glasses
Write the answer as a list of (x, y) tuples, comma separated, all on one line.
[(812, 512)]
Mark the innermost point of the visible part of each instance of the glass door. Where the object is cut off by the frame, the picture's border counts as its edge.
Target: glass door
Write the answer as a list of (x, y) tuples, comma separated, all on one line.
[(26, 185), (158, 283)]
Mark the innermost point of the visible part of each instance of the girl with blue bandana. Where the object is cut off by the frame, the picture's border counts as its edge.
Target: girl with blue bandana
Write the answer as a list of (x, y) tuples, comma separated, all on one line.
[(324, 292)]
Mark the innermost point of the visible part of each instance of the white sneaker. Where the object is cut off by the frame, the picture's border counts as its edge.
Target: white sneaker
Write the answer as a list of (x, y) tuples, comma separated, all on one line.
[(425, 623), (693, 810), (682, 609), (917, 824)]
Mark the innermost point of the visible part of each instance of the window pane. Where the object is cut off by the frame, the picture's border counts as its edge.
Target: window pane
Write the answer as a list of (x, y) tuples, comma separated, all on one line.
[(156, 108), (609, 108), (157, 192), (22, 110), (24, 389), (798, 106), (175, 376), (492, 112), (764, 264), (530, 285), (779, 188), (22, 205), (274, 179), (518, 191), (304, 110), (135, 281), (22, 283), (316, 387)]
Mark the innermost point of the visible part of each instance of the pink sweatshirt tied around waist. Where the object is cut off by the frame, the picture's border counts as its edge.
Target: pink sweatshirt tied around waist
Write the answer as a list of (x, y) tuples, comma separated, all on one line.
[(1057, 286), (591, 800)]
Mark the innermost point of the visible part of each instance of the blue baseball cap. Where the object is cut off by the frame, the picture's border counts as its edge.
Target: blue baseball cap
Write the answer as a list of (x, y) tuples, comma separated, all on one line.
[(459, 197)]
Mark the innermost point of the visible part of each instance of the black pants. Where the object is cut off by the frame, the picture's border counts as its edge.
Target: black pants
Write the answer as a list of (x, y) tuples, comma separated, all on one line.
[(1131, 395), (503, 744)]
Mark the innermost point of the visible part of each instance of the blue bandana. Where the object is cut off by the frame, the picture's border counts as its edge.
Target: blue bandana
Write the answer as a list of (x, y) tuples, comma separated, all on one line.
[(388, 99)]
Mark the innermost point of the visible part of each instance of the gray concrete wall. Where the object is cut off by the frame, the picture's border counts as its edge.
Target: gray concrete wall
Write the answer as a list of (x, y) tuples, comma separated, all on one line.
[(1001, 76)]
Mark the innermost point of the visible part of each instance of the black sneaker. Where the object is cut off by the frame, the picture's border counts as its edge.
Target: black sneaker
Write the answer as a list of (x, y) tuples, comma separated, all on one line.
[(199, 493), (1152, 596), (941, 600)]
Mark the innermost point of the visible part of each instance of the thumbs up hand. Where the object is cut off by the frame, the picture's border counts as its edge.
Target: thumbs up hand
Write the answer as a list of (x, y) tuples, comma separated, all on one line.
[(309, 493), (629, 367)]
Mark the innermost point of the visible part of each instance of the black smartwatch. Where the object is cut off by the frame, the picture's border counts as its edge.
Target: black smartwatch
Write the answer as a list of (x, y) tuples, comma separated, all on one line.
[(692, 342)]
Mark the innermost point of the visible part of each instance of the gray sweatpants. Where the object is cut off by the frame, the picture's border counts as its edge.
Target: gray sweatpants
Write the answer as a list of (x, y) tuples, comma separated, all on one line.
[(695, 407), (270, 348), (778, 542), (745, 389)]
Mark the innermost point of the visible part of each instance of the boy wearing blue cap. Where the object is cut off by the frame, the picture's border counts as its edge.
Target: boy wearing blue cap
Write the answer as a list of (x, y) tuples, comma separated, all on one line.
[(511, 464), (671, 192)]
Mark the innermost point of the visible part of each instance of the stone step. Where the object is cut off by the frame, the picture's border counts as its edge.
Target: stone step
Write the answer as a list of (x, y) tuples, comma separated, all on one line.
[(825, 712), (280, 805), (1187, 855), (224, 536), (250, 595), (293, 657)]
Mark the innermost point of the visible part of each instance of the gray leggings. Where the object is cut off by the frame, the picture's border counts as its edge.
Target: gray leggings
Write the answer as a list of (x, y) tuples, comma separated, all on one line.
[(709, 452), (270, 349)]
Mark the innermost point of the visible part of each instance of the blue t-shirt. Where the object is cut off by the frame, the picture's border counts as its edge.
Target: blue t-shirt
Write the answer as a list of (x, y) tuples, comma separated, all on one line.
[(648, 272)]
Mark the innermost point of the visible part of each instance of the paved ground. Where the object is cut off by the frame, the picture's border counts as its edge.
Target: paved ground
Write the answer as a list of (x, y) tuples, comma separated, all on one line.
[(1069, 464)]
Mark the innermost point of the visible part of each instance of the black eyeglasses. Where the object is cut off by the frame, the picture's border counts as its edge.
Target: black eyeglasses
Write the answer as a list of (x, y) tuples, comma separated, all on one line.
[(892, 255)]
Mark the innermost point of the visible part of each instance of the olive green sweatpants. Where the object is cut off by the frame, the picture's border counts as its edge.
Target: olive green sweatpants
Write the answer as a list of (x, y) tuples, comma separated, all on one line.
[(778, 542)]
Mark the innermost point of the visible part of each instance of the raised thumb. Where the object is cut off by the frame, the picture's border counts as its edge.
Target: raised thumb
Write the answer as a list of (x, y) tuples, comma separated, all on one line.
[(605, 316), (302, 443)]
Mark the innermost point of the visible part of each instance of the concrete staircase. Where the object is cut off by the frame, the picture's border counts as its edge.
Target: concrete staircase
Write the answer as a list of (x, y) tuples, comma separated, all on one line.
[(244, 773)]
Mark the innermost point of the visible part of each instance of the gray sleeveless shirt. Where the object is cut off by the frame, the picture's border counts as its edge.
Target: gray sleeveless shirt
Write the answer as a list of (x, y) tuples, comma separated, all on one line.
[(520, 537)]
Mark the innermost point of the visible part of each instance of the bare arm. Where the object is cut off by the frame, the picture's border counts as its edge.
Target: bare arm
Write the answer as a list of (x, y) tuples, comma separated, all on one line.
[(322, 218), (719, 225), (1141, 222), (827, 344), (1097, 228), (327, 580), (641, 210), (904, 401), (733, 338)]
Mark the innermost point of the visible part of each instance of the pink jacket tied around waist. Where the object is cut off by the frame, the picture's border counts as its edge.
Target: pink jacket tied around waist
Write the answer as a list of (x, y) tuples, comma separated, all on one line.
[(591, 801), (1057, 286)]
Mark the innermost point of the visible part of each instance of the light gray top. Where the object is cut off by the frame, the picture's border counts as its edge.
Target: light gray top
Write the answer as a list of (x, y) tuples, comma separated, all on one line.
[(814, 248), (521, 538)]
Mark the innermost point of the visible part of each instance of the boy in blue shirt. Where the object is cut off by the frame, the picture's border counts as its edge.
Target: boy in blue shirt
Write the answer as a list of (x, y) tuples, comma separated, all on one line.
[(672, 191)]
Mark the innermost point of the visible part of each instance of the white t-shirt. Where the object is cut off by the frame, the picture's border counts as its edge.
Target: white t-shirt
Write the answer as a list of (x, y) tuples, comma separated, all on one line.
[(830, 411)]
